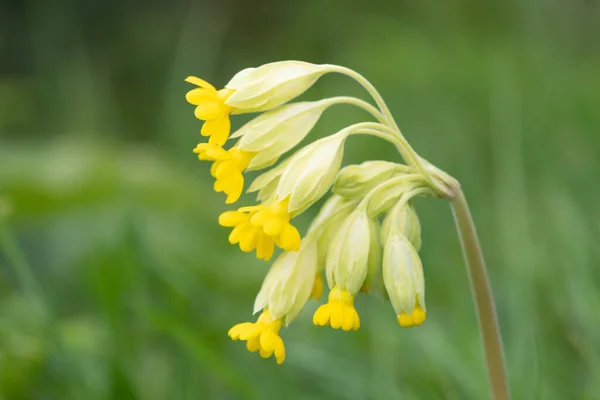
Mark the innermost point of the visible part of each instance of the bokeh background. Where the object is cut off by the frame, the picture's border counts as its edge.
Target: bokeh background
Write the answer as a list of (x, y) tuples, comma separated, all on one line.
[(116, 281)]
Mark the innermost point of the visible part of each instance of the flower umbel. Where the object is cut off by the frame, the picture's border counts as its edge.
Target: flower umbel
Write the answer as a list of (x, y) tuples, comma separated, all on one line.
[(211, 107), (261, 227), (262, 336), (347, 241), (227, 168)]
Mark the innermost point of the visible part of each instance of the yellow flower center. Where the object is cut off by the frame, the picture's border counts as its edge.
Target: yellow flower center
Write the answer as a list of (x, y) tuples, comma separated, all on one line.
[(227, 168), (262, 336), (416, 318), (317, 289), (261, 227), (339, 311), (211, 107)]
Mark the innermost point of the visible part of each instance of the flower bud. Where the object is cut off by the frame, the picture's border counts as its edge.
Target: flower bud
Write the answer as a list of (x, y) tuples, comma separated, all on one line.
[(374, 282), (328, 222), (348, 256), (272, 85), (387, 195), (403, 276), (311, 172), (355, 181), (275, 132), (289, 283), (403, 220)]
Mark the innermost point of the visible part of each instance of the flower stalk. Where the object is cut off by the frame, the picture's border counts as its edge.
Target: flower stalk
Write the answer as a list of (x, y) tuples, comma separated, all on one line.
[(483, 298)]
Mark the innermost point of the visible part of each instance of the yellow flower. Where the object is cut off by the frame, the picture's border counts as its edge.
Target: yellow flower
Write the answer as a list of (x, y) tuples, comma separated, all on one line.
[(416, 318), (339, 312), (261, 227), (211, 107), (227, 168), (262, 336)]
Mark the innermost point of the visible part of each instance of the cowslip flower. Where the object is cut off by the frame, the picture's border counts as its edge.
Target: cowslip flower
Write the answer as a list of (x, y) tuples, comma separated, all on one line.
[(346, 271), (211, 108), (403, 279), (262, 227), (291, 281), (250, 90), (227, 168)]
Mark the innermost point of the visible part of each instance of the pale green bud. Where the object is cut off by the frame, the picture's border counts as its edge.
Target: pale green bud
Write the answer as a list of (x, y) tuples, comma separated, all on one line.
[(387, 194), (373, 281), (311, 172), (271, 85), (328, 210), (403, 219), (289, 282), (348, 256), (328, 222), (275, 132), (355, 181), (266, 183), (403, 274)]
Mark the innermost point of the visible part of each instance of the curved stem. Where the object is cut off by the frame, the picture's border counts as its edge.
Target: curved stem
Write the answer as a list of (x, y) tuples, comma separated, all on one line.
[(374, 111), (404, 148), (407, 152), (484, 300), (371, 89)]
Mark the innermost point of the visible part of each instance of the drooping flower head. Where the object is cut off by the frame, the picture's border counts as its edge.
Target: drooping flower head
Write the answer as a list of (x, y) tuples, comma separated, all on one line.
[(347, 241)]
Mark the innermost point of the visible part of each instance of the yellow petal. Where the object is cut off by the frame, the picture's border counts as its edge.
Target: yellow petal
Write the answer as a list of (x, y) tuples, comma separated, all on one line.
[(253, 345), (232, 218), (273, 226), (279, 351), (267, 341), (249, 240), (265, 248), (235, 331), (348, 318), (218, 129), (207, 112), (290, 238), (200, 82), (336, 316), (198, 96), (251, 331), (238, 233), (322, 315), (419, 316)]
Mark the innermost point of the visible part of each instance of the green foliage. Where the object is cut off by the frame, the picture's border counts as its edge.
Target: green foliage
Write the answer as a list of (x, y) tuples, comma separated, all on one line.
[(134, 285)]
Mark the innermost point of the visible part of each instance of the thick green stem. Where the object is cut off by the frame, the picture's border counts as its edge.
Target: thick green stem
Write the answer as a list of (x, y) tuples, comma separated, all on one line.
[(482, 295)]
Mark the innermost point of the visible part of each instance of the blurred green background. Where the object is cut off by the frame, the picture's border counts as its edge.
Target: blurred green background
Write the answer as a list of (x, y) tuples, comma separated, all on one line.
[(116, 281)]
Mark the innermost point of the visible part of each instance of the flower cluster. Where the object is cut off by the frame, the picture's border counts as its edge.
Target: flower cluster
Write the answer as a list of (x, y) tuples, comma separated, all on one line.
[(366, 236)]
